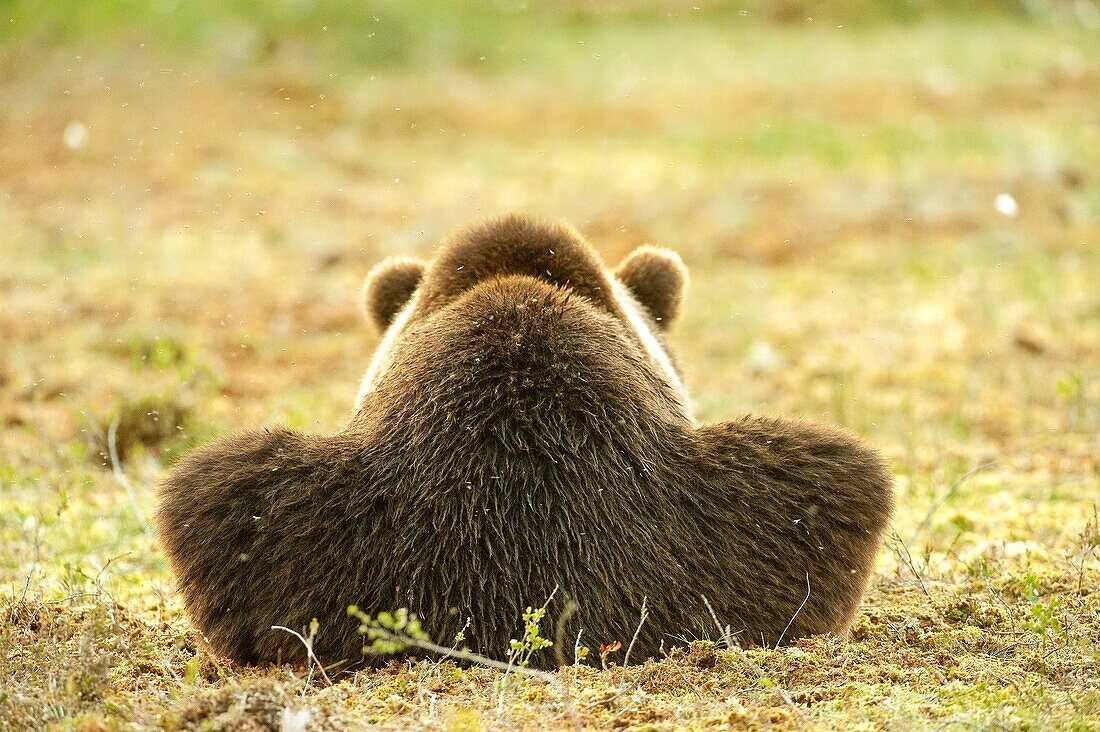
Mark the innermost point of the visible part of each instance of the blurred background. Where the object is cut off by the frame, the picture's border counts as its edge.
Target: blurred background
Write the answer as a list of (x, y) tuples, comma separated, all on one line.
[(891, 214), (890, 211)]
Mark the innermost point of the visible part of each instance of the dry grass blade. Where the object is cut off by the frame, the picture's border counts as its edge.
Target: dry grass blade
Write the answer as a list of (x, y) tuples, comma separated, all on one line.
[(806, 599), (116, 469), (947, 495), (308, 644)]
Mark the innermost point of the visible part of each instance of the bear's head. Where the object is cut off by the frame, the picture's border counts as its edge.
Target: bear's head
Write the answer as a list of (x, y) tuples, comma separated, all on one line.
[(520, 262)]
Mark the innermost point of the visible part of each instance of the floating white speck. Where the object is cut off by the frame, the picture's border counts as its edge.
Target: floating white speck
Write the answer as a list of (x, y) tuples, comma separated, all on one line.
[(762, 358), (942, 81), (75, 135), (293, 720), (1006, 205)]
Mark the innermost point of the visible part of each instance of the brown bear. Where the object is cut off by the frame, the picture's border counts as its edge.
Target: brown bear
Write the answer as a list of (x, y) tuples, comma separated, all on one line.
[(522, 430)]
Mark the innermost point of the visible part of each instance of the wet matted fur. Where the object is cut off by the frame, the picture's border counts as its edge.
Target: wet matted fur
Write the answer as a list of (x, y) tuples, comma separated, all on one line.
[(521, 431)]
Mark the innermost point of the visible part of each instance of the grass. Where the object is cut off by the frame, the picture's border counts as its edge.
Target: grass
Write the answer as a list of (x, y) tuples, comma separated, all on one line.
[(189, 266)]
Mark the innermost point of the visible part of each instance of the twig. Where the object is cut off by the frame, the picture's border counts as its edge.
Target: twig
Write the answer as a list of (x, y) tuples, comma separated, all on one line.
[(962, 723), (515, 655), (783, 694), (1007, 607), (99, 574), (723, 629), (902, 551), (88, 419), (945, 497), (1090, 547), (484, 661), (796, 612), (66, 598), (34, 563), (753, 665), (641, 621), (116, 468), (462, 633), (570, 609), (622, 687), (308, 643)]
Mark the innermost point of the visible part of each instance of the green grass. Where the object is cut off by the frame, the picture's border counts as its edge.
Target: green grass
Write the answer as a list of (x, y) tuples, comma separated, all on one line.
[(830, 183)]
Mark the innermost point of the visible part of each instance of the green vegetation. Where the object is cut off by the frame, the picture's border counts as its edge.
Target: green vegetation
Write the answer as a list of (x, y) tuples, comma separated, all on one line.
[(891, 212)]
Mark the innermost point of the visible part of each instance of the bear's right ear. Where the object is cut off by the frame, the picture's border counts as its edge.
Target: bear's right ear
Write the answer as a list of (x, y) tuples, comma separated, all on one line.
[(388, 288), (657, 278)]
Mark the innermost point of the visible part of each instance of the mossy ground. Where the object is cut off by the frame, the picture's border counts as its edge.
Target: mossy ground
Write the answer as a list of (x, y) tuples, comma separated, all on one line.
[(191, 193)]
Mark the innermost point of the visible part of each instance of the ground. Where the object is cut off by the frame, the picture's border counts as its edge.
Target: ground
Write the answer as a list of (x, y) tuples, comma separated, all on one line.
[(891, 213)]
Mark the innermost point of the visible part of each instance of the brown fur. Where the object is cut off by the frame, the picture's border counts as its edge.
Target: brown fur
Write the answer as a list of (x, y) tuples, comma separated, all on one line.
[(516, 245), (522, 441), (388, 287), (657, 278)]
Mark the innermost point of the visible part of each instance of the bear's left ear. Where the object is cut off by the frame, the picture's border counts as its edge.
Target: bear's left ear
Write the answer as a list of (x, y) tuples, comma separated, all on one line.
[(657, 278), (388, 288)]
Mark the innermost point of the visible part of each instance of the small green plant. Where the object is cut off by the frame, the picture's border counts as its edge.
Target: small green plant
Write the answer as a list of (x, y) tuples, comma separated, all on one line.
[(460, 637), (1074, 393), (74, 580), (980, 568), (1043, 617), (521, 651), (159, 352), (386, 632), (531, 642)]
